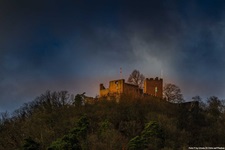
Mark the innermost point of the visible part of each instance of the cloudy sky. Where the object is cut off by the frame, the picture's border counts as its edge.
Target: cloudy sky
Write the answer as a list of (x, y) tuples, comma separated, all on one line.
[(75, 45)]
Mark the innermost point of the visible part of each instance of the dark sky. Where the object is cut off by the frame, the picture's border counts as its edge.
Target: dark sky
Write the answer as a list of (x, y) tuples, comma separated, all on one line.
[(75, 45)]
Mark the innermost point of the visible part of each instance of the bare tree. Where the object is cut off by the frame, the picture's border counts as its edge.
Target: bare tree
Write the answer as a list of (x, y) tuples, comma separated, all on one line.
[(172, 93), (215, 106), (199, 100), (136, 78)]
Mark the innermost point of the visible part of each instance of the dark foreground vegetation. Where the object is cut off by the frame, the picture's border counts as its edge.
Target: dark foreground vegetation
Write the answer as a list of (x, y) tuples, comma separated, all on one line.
[(55, 121)]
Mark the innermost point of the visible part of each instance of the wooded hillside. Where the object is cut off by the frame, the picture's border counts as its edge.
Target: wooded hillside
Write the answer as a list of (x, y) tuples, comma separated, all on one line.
[(56, 121)]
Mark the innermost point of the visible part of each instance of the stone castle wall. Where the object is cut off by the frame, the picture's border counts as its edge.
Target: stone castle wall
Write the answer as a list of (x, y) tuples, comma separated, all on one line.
[(118, 87), (152, 87)]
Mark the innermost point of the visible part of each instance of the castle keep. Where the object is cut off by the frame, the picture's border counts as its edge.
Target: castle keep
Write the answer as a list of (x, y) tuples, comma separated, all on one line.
[(152, 87)]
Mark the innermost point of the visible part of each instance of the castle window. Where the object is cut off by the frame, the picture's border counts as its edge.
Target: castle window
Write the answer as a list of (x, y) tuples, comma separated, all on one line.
[(156, 89)]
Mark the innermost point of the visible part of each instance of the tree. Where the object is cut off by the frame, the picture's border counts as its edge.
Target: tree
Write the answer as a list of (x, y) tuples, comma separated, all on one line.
[(172, 93), (73, 140), (199, 99), (152, 137), (30, 144), (68, 141), (136, 78), (79, 99), (214, 106)]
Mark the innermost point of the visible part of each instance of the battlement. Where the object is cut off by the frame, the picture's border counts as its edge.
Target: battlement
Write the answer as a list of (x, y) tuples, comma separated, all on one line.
[(156, 79)]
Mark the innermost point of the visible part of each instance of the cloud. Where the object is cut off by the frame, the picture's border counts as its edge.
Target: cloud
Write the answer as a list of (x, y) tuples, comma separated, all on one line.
[(76, 45)]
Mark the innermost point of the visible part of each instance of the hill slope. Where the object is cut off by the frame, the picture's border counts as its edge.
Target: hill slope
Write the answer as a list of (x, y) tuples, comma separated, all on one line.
[(52, 121)]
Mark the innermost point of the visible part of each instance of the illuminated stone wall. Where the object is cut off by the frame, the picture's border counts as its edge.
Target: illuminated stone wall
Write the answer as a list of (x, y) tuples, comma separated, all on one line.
[(117, 87), (154, 87)]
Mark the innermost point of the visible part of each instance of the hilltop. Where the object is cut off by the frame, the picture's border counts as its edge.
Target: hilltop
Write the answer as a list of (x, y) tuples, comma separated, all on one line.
[(54, 120)]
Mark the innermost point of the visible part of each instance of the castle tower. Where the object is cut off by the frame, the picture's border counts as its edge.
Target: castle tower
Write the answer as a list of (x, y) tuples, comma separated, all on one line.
[(117, 86), (154, 87)]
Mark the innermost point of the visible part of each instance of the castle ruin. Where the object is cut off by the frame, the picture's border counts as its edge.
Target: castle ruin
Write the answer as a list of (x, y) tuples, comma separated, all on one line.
[(153, 87)]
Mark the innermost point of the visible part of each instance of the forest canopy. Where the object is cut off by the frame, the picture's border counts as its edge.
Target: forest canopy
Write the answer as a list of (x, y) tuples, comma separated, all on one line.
[(58, 120)]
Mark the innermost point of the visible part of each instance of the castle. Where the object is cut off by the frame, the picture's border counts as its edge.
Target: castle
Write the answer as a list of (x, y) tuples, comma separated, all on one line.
[(152, 87)]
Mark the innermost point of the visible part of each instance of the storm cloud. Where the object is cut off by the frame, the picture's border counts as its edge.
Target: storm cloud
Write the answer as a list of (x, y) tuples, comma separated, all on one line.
[(75, 45)]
